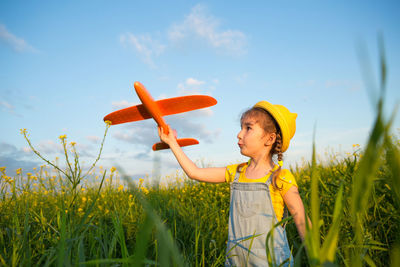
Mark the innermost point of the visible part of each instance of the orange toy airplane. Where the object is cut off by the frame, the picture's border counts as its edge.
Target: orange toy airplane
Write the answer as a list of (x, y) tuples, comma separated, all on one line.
[(156, 109)]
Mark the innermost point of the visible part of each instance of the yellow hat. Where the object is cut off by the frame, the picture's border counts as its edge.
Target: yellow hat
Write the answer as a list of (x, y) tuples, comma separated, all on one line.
[(285, 119)]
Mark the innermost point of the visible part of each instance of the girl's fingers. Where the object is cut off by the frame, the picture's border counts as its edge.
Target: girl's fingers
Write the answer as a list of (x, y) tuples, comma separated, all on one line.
[(159, 131)]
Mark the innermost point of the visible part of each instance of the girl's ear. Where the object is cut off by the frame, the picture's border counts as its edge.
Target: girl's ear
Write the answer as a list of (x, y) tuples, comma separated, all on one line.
[(270, 139)]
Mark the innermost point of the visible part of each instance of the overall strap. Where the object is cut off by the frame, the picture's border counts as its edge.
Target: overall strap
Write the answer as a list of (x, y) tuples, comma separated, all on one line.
[(269, 180), (237, 175)]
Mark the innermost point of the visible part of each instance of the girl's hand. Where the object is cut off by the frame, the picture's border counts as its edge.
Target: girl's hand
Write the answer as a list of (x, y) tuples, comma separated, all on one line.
[(167, 138)]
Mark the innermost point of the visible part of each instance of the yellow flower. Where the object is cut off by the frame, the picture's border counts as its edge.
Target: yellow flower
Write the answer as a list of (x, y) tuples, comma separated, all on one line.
[(3, 169), (84, 199), (63, 137), (80, 210), (108, 123), (23, 131), (120, 188), (113, 169), (145, 190), (73, 143)]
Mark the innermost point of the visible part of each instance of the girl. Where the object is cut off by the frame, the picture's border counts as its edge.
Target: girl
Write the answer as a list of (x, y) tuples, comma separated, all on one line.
[(259, 188)]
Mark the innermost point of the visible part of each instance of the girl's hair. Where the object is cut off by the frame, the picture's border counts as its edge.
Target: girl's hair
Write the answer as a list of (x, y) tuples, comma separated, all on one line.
[(269, 125)]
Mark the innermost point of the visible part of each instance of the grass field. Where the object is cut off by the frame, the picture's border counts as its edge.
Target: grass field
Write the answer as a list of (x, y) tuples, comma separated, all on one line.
[(47, 221), (57, 216)]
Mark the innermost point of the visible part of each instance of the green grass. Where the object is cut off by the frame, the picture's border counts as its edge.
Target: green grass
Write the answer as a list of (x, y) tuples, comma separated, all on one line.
[(56, 217), (187, 221)]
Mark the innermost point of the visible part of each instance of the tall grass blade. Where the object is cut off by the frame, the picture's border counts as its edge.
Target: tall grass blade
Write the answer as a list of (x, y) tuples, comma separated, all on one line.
[(269, 241), (395, 256), (142, 240), (393, 160), (168, 251), (329, 247), (62, 242), (25, 247), (119, 230), (312, 237)]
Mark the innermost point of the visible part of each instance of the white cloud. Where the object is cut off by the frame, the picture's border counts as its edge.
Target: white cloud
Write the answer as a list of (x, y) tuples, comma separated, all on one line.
[(7, 106), (13, 158), (49, 147), (190, 86), (94, 139), (16, 43), (193, 82), (204, 26), (144, 133), (122, 104), (146, 47), (204, 112), (140, 133), (186, 127), (199, 24)]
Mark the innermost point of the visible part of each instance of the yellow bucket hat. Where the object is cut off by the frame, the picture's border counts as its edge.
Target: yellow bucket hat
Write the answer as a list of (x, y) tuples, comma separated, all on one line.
[(285, 119)]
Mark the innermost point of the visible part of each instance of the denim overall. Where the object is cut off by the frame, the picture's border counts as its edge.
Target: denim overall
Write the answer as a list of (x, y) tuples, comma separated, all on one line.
[(251, 216)]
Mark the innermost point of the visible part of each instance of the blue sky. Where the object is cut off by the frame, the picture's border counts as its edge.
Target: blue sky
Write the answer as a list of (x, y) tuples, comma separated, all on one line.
[(64, 66)]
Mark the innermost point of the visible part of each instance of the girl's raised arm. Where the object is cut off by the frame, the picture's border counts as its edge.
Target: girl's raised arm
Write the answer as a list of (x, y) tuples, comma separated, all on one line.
[(210, 175)]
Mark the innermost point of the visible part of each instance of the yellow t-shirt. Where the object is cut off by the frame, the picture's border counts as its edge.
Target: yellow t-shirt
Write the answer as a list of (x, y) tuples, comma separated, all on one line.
[(285, 180)]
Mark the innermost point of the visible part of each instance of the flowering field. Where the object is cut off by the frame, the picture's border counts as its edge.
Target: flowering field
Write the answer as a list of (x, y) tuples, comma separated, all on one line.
[(106, 220), (55, 216), (65, 216)]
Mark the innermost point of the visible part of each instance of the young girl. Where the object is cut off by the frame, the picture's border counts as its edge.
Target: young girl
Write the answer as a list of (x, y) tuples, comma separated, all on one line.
[(259, 188)]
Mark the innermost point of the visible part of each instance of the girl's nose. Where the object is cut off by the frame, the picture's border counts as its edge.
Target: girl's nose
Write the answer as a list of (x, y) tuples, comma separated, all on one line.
[(239, 135)]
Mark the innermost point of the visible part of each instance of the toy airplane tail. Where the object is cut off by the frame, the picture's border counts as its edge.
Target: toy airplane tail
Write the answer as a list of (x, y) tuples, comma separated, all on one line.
[(181, 142)]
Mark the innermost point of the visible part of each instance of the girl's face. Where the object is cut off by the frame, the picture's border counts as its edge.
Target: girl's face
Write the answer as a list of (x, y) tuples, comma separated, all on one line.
[(252, 139)]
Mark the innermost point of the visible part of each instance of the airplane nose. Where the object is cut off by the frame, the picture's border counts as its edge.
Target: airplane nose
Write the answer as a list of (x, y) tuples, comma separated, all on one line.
[(137, 85)]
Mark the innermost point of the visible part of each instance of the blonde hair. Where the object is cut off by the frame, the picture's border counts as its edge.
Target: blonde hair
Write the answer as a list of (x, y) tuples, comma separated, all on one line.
[(269, 125)]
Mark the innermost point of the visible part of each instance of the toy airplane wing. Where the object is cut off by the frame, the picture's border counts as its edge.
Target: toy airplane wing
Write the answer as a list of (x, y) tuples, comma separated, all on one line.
[(157, 109), (167, 106)]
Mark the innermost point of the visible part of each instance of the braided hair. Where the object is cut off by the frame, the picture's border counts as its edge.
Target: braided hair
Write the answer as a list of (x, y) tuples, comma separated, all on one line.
[(269, 125)]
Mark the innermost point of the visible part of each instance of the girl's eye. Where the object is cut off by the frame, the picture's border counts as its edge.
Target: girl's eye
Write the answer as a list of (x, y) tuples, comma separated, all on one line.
[(248, 128)]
